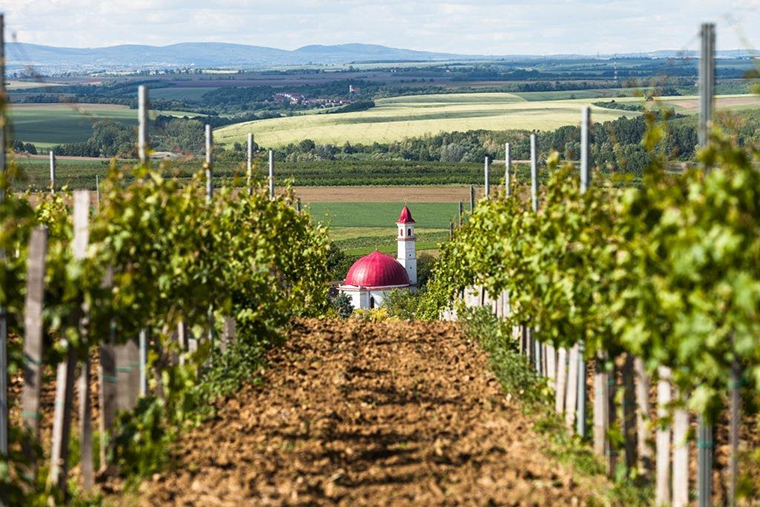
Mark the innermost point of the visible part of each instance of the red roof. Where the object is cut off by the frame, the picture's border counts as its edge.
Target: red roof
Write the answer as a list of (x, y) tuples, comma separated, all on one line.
[(405, 217), (377, 270)]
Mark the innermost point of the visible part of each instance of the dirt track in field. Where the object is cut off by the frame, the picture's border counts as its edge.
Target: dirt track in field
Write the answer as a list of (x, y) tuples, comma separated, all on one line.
[(354, 413)]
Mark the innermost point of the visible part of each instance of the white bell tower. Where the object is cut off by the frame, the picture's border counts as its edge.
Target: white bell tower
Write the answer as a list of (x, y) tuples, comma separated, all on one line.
[(407, 254)]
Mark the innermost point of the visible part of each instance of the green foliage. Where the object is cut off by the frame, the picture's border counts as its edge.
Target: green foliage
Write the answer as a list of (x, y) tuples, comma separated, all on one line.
[(169, 255), (512, 368), (343, 306), (612, 104), (667, 272), (519, 378), (402, 304)]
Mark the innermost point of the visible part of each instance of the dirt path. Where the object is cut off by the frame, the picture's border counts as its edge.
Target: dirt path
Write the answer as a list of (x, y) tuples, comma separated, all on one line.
[(392, 413)]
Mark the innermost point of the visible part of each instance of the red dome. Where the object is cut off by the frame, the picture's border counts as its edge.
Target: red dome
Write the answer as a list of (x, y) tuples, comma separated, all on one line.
[(405, 217), (377, 270)]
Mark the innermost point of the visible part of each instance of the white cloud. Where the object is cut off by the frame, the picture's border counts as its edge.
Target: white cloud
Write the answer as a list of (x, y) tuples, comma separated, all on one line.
[(462, 26)]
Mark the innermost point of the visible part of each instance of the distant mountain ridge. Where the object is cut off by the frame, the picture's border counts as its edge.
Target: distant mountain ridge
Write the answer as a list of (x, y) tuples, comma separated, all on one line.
[(206, 54), (242, 56)]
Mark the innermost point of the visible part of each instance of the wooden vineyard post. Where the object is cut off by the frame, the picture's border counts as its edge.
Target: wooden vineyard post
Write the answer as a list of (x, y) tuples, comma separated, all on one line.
[(271, 174), (612, 452), (209, 162), (3, 317), (59, 455), (571, 403), (249, 164), (629, 413), (81, 240), (580, 421), (64, 392), (182, 340), (228, 333), (487, 169), (142, 145), (52, 171), (127, 374), (143, 367), (601, 409), (461, 212), (33, 343), (533, 174), (643, 434), (142, 119), (585, 179), (298, 204), (108, 390), (507, 170), (534, 206), (472, 198), (559, 401), (706, 103), (705, 447), (664, 398), (551, 365), (733, 426), (680, 457)]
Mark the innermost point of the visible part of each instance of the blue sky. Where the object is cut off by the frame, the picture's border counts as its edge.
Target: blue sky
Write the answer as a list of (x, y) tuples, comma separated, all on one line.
[(473, 27)]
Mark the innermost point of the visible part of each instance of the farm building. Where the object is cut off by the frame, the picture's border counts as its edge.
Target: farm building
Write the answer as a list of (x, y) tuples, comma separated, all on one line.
[(373, 276)]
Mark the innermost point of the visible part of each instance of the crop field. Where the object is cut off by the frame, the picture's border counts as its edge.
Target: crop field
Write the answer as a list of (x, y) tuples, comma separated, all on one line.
[(325, 181), (432, 215), (358, 228), (48, 124), (580, 94), (394, 119), (363, 240), (689, 104)]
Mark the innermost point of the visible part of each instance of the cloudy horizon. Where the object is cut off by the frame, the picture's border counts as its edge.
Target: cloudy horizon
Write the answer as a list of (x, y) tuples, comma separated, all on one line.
[(483, 27)]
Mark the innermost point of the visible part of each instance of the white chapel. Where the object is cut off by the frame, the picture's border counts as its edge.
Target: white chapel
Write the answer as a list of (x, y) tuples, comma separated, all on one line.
[(373, 276)]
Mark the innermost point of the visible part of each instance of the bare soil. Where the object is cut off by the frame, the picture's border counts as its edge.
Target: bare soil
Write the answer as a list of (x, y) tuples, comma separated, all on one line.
[(747, 100), (354, 413)]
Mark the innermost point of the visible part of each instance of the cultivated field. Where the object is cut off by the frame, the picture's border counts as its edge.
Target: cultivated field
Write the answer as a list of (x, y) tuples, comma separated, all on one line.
[(48, 124), (397, 118), (689, 104), (428, 215)]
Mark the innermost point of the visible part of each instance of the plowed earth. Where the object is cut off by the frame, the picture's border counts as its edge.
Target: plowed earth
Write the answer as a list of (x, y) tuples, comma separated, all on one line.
[(355, 413)]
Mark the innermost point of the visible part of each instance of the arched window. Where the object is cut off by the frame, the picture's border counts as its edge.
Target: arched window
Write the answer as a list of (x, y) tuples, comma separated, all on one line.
[(371, 302), (409, 232)]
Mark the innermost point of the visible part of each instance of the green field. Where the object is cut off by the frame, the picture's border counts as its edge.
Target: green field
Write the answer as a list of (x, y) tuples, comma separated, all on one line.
[(49, 124), (358, 228), (400, 117), (432, 215)]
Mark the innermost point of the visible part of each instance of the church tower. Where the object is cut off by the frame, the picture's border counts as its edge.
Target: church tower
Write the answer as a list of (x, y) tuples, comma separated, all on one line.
[(407, 255)]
